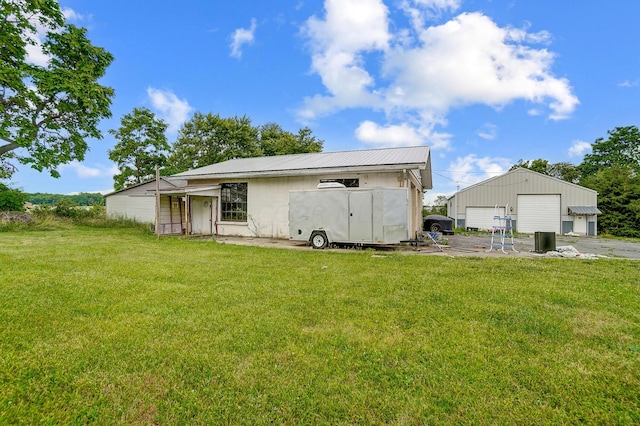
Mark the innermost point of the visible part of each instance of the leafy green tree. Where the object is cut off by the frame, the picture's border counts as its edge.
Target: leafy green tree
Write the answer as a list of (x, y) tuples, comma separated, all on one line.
[(621, 148), (208, 139), (142, 145), (539, 165), (48, 111), (439, 206), (562, 170), (565, 171), (11, 200), (618, 189), (276, 141)]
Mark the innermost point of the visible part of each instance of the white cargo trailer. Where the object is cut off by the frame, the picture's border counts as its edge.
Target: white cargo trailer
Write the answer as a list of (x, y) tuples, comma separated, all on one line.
[(349, 216)]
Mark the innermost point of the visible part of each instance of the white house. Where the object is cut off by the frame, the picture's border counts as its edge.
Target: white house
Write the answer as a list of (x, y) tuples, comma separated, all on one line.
[(250, 196), (535, 202)]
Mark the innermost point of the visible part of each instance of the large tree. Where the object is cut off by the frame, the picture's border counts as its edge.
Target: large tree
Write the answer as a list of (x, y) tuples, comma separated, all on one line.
[(618, 189), (142, 145), (561, 170), (622, 147), (48, 110), (276, 141), (208, 139)]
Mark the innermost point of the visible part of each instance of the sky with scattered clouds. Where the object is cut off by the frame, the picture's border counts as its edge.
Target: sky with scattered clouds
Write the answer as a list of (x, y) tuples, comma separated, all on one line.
[(484, 83)]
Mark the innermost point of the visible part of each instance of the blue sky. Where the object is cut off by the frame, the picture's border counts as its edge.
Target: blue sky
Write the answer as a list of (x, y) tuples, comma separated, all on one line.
[(483, 82)]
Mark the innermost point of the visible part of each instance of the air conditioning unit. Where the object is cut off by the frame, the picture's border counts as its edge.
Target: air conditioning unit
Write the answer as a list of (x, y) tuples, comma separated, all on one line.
[(544, 241)]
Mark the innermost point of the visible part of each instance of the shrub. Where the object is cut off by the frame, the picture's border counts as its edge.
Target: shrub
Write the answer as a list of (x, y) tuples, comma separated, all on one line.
[(66, 208), (11, 200)]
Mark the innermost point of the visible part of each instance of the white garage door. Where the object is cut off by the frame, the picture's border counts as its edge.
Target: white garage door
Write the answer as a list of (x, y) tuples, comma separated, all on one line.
[(538, 213), (482, 217)]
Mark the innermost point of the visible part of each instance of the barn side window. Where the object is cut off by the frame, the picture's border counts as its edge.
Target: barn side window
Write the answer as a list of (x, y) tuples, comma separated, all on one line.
[(233, 200), (349, 183)]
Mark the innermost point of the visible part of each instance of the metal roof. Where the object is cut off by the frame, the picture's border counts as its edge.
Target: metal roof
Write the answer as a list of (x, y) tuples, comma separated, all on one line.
[(583, 210), (408, 158), (163, 181)]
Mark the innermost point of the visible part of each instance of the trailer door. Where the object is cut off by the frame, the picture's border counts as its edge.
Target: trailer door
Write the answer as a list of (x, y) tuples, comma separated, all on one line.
[(361, 216)]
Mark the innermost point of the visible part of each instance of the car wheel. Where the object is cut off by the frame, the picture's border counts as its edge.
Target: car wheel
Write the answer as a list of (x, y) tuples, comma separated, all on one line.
[(435, 227)]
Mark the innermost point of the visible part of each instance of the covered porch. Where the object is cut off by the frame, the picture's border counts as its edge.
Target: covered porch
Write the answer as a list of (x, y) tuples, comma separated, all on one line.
[(188, 210)]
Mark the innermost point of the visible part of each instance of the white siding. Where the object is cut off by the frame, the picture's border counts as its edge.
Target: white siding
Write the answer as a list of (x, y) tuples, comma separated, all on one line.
[(141, 209), (539, 213), (268, 201)]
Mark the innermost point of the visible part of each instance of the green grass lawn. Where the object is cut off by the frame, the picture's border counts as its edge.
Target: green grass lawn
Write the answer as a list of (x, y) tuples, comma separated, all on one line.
[(113, 326)]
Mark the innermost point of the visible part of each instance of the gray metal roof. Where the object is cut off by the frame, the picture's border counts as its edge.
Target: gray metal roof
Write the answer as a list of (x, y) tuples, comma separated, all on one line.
[(408, 158), (583, 210), (165, 183)]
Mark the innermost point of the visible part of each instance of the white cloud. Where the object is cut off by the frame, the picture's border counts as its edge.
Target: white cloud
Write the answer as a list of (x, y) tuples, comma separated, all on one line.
[(367, 61), (72, 15), (86, 172), (471, 169), (398, 135), (629, 83), (579, 148), (470, 60), (487, 131), (420, 11), (337, 45), (240, 37), (390, 135), (173, 111)]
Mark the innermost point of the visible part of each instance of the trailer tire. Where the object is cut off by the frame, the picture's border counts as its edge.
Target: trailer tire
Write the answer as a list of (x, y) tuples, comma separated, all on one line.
[(435, 227), (318, 240)]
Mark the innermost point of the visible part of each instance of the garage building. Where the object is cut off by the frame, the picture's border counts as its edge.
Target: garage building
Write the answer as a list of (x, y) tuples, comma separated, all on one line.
[(535, 203)]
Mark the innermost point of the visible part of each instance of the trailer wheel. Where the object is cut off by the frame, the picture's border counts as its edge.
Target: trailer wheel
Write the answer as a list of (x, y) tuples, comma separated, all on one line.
[(318, 240), (435, 227)]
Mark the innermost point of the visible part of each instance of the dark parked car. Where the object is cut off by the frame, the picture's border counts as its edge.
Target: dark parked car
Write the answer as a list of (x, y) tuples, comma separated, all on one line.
[(438, 223)]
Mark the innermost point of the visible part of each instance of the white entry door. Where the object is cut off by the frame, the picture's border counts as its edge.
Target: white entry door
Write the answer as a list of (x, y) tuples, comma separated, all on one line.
[(202, 215), (580, 225)]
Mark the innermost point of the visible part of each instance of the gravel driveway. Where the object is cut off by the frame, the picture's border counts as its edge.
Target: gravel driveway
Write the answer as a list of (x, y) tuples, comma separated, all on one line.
[(609, 247), (476, 245)]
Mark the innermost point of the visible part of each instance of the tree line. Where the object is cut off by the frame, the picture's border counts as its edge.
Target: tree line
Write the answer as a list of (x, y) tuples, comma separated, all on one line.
[(203, 140), (81, 199)]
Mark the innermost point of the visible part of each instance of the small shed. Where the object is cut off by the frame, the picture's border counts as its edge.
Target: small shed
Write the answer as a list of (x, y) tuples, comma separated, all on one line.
[(138, 202), (535, 202)]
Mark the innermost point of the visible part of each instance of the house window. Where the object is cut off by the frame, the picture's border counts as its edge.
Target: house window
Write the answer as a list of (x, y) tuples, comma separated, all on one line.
[(233, 200), (349, 183)]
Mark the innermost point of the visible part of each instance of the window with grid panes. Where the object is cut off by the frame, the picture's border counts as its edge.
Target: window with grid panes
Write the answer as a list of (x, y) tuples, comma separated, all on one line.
[(233, 200)]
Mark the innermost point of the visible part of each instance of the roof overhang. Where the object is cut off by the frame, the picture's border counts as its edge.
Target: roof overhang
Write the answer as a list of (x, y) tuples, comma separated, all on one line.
[(211, 191), (424, 168), (583, 210)]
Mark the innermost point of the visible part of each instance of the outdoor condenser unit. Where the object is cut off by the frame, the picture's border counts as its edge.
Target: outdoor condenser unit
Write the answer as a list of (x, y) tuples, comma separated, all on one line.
[(544, 241)]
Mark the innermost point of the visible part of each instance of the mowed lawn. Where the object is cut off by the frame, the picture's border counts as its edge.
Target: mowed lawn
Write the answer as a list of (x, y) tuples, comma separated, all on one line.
[(112, 326)]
